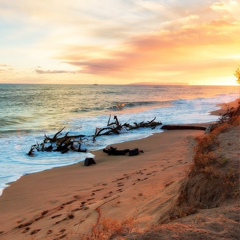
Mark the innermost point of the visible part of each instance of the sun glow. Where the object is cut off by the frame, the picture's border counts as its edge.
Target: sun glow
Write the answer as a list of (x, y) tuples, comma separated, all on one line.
[(119, 43)]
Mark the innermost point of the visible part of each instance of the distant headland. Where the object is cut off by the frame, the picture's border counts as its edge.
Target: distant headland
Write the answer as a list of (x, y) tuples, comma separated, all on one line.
[(160, 83)]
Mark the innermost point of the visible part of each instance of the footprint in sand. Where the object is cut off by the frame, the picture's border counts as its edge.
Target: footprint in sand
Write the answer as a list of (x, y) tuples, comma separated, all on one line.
[(70, 216), (44, 212), (77, 197), (119, 190), (140, 180), (106, 197), (152, 173), (153, 166), (26, 230), (120, 184), (61, 207), (20, 221), (35, 231), (55, 216), (89, 199), (61, 221), (97, 190), (25, 224), (119, 179), (69, 202), (77, 209), (63, 236)]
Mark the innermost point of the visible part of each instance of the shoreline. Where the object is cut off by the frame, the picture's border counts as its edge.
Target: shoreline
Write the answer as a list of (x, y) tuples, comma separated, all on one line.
[(67, 201), (222, 108), (61, 160), (43, 201)]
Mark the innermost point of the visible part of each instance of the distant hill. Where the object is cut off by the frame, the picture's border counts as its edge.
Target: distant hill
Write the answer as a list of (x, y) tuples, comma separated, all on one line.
[(159, 84)]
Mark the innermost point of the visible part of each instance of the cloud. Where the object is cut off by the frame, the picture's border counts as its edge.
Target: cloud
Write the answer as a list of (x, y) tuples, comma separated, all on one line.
[(117, 38), (219, 6), (5, 68), (230, 9), (40, 71), (192, 52), (224, 6)]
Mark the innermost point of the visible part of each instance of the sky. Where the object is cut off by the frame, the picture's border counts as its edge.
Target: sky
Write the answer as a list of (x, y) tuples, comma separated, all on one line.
[(119, 41)]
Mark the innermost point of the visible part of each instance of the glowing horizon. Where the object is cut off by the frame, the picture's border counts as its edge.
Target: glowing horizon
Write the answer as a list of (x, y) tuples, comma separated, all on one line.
[(119, 42)]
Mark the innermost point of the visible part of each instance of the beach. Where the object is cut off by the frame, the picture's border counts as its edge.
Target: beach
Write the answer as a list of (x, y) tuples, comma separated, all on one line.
[(29, 112), (71, 202)]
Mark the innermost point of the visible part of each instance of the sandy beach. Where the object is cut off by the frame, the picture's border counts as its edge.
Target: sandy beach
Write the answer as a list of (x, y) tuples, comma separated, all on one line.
[(133, 191)]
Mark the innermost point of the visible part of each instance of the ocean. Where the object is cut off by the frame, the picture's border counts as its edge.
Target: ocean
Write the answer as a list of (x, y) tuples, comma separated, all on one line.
[(28, 112)]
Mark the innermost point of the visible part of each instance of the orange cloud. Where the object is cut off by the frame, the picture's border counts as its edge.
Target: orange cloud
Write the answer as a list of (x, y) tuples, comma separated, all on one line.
[(191, 51), (40, 71), (128, 40)]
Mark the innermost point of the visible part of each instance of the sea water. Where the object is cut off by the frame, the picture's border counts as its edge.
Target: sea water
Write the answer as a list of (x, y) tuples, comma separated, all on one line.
[(29, 112)]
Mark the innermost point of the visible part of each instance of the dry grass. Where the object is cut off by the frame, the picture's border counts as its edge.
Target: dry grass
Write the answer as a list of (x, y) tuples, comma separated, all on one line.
[(213, 178), (206, 157), (108, 229)]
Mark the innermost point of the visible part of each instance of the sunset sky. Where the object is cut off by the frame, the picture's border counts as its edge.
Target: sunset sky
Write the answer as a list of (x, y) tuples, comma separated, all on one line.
[(119, 41)]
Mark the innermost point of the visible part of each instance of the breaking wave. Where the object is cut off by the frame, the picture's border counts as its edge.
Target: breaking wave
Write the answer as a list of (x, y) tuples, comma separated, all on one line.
[(122, 105)]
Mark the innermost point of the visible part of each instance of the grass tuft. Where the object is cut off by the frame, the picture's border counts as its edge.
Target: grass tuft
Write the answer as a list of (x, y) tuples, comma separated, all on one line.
[(108, 229)]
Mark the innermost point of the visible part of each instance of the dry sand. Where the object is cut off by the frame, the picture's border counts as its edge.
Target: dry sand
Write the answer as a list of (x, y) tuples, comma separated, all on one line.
[(70, 200), (67, 202)]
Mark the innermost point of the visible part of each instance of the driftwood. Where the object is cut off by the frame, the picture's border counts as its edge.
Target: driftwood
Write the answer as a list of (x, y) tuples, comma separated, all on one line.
[(115, 152), (182, 127), (115, 127), (67, 143), (60, 144), (55, 138)]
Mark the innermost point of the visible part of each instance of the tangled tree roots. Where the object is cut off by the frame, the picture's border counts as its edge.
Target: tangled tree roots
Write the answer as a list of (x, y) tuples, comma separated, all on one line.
[(67, 143)]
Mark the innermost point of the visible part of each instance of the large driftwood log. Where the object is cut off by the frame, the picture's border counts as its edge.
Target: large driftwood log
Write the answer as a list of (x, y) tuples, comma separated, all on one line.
[(182, 127)]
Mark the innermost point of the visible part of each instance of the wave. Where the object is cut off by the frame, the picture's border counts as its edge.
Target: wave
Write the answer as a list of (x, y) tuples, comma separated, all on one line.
[(107, 107), (116, 106), (9, 121), (121, 105), (8, 132), (86, 110)]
